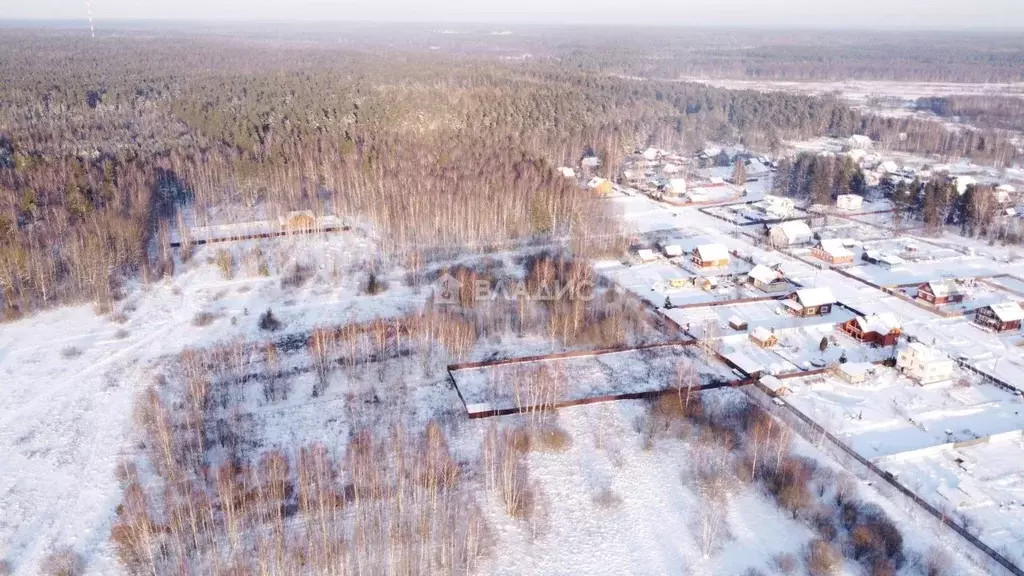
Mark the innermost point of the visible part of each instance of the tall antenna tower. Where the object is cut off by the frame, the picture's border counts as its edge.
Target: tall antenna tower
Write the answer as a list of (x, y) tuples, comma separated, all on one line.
[(88, 10)]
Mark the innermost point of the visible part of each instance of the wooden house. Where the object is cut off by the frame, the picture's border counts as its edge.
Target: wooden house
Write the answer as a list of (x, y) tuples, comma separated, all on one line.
[(811, 302), (763, 337), (767, 279), (1002, 317), (710, 256), (832, 251), (789, 234), (939, 293), (878, 329)]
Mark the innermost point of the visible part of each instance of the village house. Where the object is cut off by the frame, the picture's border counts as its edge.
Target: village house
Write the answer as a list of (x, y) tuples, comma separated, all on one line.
[(676, 187), (774, 386), (924, 364), (1002, 317), (672, 250), (646, 255), (777, 207), (767, 279), (567, 172), (763, 337), (601, 186), (832, 251), (297, 222), (878, 329), (849, 202), (940, 293), (789, 234), (710, 256), (811, 302), (756, 169)]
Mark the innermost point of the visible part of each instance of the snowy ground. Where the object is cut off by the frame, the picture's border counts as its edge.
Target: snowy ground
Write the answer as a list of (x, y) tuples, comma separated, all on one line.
[(889, 414), (982, 483)]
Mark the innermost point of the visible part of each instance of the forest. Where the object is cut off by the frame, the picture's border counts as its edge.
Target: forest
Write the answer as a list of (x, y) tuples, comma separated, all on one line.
[(98, 160)]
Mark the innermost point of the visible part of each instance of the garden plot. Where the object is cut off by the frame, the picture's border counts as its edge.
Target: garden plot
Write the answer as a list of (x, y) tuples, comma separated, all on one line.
[(641, 214), (559, 381), (768, 313), (888, 414), (925, 271), (981, 485), (1012, 284)]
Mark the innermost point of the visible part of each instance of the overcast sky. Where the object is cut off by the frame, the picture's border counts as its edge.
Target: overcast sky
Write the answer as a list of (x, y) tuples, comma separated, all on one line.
[(947, 14)]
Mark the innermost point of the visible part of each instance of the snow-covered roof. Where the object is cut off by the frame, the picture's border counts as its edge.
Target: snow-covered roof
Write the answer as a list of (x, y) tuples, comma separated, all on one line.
[(795, 229), (646, 254), (856, 369), (815, 296), (943, 289), (772, 383), (1007, 311), (673, 250), (595, 182), (762, 273), (717, 180), (924, 352), (883, 323), (567, 172), (887, 166), (711, 252), (677, 184), (1006, 188), (735, 320), (859, 141), (761, 333), (835, 248), (592, 161)]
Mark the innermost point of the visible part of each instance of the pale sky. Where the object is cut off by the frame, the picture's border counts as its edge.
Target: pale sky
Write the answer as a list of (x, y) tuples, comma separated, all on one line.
[(900, 14)]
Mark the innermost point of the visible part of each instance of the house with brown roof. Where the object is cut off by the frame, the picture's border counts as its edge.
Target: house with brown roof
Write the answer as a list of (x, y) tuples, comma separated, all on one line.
[(878, 329)]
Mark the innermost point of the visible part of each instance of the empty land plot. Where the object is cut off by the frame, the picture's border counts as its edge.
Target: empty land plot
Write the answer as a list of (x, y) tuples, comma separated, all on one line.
[(560, 381), (981, 485)]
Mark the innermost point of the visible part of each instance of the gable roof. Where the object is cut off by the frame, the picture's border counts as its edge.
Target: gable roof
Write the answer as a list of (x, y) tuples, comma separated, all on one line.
[(761, 334), (762, 273), (795, 229), (943, 288), (834, 247), (815, 296), (879, 323), (712, 252), (595, 182), (1007, 311)]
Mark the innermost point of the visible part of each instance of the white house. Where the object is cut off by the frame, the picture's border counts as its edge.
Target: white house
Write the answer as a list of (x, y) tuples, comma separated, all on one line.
[(673, 250), (777, 206), (849, 202), (677, 186), (646, 255), (567, 172), (924, 364), (789, 233), (962, 182)]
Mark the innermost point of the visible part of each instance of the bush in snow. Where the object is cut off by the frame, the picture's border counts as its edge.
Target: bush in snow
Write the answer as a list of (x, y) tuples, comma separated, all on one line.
[(822, 559), (62, 562), (269, 322)]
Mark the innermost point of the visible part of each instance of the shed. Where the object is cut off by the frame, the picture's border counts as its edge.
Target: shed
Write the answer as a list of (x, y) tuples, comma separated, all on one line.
[(737, 323), (849, 202), (856, 372), (646, 255), (775, 386), (672, 250)]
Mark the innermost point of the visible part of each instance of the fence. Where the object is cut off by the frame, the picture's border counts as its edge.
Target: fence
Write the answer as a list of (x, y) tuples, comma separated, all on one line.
[(814, 433)]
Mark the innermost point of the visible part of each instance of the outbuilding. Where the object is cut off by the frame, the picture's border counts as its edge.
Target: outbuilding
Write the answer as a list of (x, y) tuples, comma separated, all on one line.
[(763, 337)]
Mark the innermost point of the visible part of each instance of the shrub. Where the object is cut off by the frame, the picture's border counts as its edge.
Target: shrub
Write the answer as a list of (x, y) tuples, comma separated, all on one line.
[(822, 559), (269, 322), (63, 562), (551, 439), (297, 275), (121, 334), (226, 263), (375, 285), (71, 352), (203, 319)]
